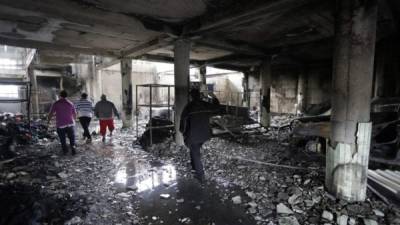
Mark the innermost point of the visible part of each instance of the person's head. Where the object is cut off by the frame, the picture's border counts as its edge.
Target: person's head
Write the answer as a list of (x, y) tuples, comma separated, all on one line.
[(84, 96), (103, 97), (63, 94), (195, 94)]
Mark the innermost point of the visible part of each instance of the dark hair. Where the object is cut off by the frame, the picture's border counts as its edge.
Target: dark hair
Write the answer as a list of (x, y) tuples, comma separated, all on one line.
[(63, 94), (84, 95), (195, 94)]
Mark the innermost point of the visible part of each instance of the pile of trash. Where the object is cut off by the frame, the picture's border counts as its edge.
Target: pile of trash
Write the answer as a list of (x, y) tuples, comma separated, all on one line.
[(279, 189), (162, 129), (15, 129)]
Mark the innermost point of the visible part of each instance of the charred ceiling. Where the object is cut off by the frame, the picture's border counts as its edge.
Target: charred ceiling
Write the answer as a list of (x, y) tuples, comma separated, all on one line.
[(242, 30)]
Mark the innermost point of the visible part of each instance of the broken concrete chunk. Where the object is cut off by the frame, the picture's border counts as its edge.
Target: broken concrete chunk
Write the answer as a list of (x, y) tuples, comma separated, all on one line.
[(74, 220), (252, 204), (307, 181), (251, 194), (252, 210), (342, 220), (291, 220), (123, 195), (283, 209), (370, 222), (165, 196), (327, 215), (379, 213), (185, 220), (11, 175), (237, 200), (294, 199), (62, 175)]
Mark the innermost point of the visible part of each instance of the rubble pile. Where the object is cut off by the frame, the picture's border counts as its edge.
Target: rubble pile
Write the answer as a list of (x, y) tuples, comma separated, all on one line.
[(41, 186), (15, 129), (280, 195)]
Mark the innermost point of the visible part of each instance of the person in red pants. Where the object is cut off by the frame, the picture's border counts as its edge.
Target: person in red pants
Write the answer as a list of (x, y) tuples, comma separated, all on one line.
[(105, 111)]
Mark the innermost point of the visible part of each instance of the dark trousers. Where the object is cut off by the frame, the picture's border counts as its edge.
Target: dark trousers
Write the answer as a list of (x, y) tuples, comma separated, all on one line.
[(85, 122), (195, 158), (62, 134)]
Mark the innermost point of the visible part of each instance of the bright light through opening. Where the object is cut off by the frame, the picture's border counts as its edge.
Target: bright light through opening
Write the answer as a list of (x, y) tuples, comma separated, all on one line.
[(8, 63), (8, 91)]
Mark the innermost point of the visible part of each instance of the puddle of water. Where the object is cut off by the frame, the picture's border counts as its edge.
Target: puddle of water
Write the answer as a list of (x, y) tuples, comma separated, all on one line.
[(141, 175)]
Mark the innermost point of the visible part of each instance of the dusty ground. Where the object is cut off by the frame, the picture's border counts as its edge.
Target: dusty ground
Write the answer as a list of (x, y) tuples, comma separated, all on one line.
[(117, 183)]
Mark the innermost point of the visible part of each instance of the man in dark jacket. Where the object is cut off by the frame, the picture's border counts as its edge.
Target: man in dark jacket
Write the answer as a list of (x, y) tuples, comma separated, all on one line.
[(195, 127), (105, 111)]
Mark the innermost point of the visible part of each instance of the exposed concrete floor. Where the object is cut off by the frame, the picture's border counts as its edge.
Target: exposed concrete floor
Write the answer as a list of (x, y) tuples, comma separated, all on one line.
[(111, 183), (117, 183)]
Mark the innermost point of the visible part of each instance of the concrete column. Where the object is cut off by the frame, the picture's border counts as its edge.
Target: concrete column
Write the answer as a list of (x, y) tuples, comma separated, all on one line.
[(301, 92), (246, 90), (35, 93), (181, 68), (349, 146), (126, 73), (203, 79), (61, 83), (265, 76)]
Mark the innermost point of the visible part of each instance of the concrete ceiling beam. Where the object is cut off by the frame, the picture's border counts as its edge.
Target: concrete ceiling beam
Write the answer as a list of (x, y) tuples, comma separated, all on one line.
[(226, 46), (149, 46), (56, 47), (252, 15)]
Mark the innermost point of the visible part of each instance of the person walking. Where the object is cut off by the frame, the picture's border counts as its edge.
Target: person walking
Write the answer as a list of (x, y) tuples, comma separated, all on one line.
[(65, 121), (195, 128), (84, 108), (105, 111)]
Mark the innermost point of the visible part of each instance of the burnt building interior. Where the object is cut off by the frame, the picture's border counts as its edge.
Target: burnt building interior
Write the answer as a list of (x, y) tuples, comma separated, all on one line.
[(308, 130)]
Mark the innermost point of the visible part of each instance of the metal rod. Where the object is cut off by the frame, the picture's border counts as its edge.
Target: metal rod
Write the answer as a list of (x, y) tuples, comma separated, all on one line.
[(151, 115), (237, 103), (169, 103), (273, 164), (28, 107), (137, 113)]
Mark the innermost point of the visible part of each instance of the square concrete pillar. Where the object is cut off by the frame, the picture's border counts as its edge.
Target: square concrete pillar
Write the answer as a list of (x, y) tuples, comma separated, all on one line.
[(353, 65), (35, 93), (203, 78), (127, 102), (182, 76), (265, 76)]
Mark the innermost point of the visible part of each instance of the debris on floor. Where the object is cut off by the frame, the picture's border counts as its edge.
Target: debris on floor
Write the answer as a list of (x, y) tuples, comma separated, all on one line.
[(117, 183), (278, 194)]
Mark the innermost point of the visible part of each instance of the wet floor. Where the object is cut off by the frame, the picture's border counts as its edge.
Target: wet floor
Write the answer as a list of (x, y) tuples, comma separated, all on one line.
[(167, 197)]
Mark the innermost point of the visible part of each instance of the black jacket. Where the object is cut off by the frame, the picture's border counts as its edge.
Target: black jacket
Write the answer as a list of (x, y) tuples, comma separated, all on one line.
[(194, 123)]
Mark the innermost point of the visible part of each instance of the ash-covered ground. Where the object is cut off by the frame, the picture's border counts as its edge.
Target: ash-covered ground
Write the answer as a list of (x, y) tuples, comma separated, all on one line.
[(256, 181)]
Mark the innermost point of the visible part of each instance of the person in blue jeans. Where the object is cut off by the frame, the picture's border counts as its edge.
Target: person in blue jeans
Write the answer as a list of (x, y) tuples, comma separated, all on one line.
[(65, 121)]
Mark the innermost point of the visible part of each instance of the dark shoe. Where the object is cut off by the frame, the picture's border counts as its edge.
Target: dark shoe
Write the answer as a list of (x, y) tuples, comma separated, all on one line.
[(73, 151), (103, 139), (88, 141)]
